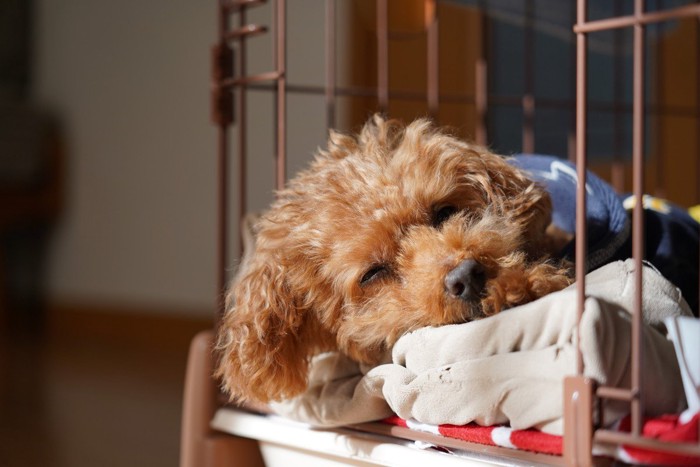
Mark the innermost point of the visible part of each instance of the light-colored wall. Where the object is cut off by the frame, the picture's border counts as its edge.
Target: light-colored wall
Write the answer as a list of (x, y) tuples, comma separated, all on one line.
[(129, 81)]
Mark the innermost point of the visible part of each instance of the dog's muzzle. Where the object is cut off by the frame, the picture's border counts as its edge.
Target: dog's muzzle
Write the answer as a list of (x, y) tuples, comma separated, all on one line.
[(466, 281)]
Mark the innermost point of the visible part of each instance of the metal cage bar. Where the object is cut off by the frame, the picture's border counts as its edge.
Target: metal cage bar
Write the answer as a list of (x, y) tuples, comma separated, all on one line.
[(528, 98), (222, 116), (641, 19), (638, 213), (330, 92), (660, 171), (433, 59), (241, 110), (383, 54), (617, 174), (281, 100), (581, 164)]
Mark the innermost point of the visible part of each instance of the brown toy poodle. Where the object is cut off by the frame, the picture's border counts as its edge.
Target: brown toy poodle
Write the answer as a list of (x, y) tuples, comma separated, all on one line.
[(395, 229)]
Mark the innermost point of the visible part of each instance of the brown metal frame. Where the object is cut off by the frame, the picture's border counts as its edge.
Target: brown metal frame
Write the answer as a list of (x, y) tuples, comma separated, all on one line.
[(576, 389), (581, 394)]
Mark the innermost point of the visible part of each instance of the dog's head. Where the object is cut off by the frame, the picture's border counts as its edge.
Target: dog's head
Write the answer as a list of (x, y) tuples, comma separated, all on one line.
[(391, 230)]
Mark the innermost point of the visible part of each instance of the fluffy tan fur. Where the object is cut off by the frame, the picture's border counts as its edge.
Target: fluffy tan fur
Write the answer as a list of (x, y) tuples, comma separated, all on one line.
[(369, 203)]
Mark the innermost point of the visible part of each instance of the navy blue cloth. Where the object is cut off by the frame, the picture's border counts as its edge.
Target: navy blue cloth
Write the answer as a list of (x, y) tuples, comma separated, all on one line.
[(672, 236)]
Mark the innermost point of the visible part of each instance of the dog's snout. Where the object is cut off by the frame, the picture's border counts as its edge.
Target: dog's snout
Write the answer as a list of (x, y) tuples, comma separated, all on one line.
[(466, 281)]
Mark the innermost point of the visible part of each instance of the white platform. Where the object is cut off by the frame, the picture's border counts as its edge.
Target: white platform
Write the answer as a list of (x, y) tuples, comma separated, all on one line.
[(285, 443)]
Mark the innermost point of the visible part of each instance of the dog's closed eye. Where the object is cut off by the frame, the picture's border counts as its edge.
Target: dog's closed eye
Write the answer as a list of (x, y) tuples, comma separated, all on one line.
[(374, 273), (442, 213)]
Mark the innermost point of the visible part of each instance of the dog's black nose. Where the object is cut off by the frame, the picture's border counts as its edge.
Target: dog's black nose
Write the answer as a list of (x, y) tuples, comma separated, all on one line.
[(466, 281)]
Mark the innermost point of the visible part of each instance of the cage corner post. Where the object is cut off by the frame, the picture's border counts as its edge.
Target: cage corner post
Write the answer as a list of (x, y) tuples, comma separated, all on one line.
[(578, 426), (201, 446), (578, 390)]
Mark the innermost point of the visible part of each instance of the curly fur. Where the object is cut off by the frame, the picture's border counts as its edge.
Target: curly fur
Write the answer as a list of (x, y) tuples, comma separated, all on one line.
[(369, 201)]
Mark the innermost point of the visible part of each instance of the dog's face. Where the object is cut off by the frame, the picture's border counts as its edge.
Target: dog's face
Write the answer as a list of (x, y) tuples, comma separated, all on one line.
[(396, 229)]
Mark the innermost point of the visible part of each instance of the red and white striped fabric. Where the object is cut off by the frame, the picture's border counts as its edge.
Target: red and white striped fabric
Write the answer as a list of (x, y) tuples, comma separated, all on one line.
[(665, 428), (527, 440), (670, 428)]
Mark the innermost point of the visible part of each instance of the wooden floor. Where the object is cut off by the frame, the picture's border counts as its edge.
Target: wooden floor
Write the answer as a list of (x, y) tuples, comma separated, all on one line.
[(94, 390)]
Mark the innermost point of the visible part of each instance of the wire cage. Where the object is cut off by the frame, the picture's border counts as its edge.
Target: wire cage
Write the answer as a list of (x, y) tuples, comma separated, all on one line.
[(639, 114)]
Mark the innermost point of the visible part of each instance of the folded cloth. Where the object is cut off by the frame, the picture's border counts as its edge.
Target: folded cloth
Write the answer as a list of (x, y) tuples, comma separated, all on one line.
[(508, 368), (607, 222), (672, 242)]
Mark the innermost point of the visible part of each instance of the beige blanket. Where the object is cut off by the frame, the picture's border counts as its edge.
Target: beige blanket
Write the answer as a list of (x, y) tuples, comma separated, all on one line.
[(508, 368)]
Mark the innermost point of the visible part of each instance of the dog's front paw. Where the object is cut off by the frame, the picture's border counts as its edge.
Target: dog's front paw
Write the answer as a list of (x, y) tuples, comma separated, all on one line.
[(519, 285), (545, 278)]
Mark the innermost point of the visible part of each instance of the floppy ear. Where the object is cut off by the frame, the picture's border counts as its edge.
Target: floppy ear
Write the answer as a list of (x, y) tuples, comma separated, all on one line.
[(523, 200), (264, 338)]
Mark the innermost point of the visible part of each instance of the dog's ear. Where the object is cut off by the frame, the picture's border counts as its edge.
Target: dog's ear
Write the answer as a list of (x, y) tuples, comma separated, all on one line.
[(264, 338), (520, 198)]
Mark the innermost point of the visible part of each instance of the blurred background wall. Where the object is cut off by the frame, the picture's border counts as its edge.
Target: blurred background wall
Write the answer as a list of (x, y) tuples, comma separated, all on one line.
[(128, 83)]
